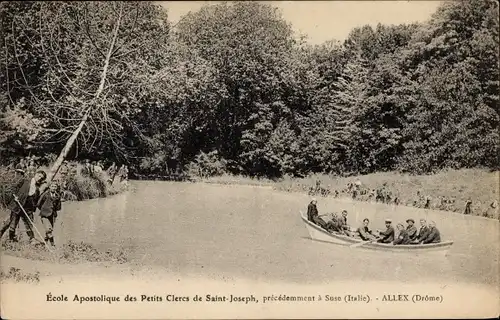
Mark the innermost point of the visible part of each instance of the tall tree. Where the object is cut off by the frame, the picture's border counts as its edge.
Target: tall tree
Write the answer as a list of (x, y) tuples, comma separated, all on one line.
[(250, 44), (96, 58), (453, 62)]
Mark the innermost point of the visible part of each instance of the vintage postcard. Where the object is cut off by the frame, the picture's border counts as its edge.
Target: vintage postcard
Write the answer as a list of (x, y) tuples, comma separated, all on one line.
[(259, 159)]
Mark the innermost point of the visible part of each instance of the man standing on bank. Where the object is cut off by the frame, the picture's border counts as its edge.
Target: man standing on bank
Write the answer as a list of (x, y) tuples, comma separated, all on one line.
[(28, 193), (49, 204)]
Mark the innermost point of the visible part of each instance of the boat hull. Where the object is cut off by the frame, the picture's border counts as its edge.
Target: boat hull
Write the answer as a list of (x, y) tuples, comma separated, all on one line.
[(319, 234)]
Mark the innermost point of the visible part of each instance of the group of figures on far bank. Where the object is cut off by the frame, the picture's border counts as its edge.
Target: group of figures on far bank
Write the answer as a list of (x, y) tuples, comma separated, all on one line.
[(384, 194)]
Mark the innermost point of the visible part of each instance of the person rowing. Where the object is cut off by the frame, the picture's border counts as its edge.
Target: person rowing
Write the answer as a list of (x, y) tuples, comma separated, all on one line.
[(364, 231), (386, 236)]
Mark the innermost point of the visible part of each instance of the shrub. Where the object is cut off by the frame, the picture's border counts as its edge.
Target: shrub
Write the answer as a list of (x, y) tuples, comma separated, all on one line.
[(8, 180), (71, 252), (207, 165), (18, 276)]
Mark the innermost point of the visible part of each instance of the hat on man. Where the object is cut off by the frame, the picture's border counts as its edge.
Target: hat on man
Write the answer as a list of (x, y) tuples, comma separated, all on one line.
[(410, 220), (388, 221)]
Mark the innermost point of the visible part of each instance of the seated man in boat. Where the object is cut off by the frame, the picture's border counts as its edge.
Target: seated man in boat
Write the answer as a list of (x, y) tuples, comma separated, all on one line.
[(402, 237), (411, 230), (422, 232), (387, 236), (339, 224), (433, 236), (313, 216), (364, 232)]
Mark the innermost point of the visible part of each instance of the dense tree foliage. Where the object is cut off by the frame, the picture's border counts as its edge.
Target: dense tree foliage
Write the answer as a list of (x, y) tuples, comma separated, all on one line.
[(231, 88)]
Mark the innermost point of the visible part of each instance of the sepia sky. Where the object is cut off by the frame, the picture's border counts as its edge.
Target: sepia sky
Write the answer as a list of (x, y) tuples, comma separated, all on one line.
[(327, 20)]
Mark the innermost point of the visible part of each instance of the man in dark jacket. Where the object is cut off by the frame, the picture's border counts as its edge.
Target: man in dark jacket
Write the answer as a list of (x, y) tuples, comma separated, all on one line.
[(468, 209), (433, 236), (313, 216), (387, 236), (422, 232), (28, 192), (49, 204), (411, 229), (364, 231), (342, 225), (402, 237)]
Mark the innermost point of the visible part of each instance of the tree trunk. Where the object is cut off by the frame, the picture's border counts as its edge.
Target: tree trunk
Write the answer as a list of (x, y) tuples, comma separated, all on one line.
[(71, 140), (69, 143)]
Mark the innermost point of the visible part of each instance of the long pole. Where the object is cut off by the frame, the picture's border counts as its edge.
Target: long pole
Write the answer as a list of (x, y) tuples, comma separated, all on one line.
[(34, 227)]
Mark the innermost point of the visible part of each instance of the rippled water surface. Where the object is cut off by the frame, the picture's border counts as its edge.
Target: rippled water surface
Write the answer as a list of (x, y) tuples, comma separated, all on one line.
[(256, 233)]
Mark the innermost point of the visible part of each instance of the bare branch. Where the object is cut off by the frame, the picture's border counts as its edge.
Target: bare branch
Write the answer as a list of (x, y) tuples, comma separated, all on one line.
[(16, 54), (87, 31), (130, 34)]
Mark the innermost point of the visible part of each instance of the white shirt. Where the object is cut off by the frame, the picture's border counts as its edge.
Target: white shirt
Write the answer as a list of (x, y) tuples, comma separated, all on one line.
[(32, 187)]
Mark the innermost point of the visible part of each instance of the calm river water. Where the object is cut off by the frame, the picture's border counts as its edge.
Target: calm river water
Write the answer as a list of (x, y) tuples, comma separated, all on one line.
[(227, 232)]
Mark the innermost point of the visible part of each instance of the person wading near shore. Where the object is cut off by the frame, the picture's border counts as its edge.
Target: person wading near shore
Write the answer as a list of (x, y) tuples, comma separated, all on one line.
[(49, 204), (387, 236), (312, 214), (28, 193)]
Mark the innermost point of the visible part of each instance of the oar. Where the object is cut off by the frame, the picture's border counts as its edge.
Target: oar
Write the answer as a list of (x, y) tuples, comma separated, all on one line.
[(34, 227), (359, 244)]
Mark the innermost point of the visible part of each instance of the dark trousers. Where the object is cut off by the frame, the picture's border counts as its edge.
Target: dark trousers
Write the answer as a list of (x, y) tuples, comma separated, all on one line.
[(14, 222), (384, 241), (5, 225), (320, 222), (48, 224)]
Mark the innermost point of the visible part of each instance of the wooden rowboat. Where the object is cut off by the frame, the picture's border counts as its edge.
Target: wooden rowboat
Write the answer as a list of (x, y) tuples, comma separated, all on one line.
[(319, 234)]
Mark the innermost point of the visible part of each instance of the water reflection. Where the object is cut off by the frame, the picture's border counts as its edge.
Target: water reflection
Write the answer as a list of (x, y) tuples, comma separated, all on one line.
[(257, 233)]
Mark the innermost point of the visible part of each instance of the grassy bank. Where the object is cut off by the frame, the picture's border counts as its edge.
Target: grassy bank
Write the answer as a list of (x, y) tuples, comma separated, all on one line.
[(477, 185), (19, 276), (71, 252)]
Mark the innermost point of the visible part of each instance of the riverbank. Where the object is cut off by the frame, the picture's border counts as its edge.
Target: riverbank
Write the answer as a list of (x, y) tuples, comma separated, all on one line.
[(479, 186)]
